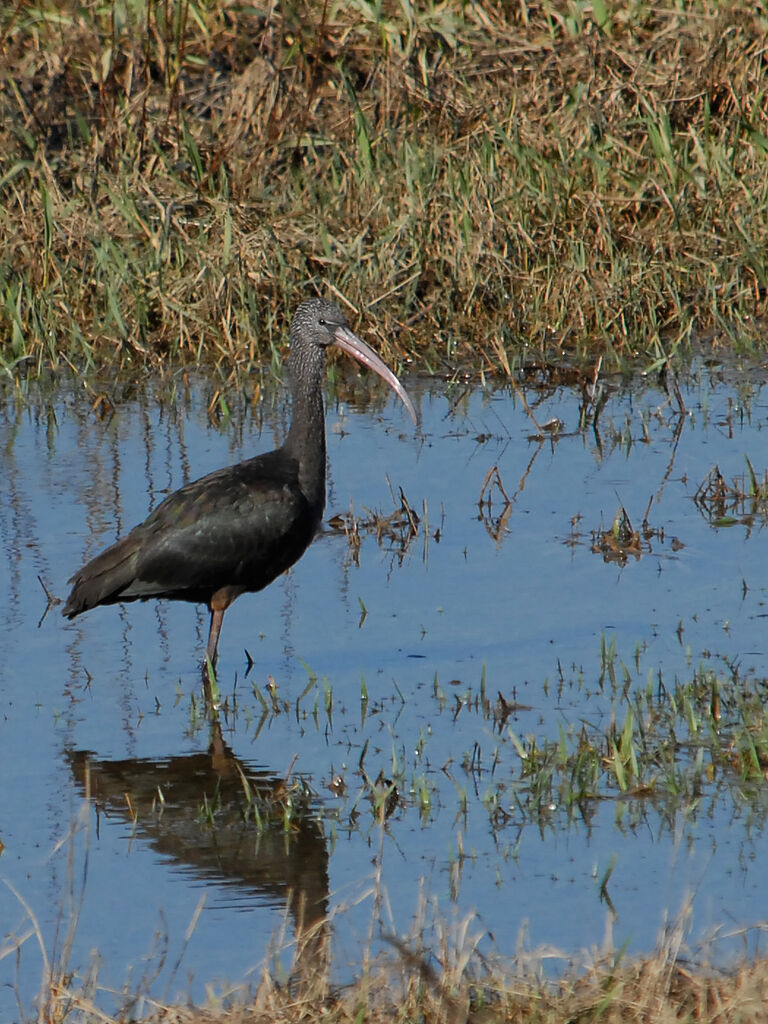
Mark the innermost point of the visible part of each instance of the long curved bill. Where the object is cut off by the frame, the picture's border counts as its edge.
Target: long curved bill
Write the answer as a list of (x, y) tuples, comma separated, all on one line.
[(349, 342)]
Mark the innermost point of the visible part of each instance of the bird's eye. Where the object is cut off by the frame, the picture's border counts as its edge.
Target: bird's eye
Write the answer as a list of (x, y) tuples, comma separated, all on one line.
[(321, 321)]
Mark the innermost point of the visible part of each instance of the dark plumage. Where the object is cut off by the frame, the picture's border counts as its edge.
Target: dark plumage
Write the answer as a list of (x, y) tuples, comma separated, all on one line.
[(237, 529)]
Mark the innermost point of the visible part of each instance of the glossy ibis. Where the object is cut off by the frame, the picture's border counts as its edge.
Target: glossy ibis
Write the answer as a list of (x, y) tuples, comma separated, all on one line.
[(239, 528)]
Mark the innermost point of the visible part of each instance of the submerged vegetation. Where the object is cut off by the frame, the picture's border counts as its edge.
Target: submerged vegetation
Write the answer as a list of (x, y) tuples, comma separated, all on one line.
[(573, 180)]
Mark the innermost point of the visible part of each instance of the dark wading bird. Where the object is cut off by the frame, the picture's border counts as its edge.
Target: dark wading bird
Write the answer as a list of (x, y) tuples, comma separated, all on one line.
[(239, 528)]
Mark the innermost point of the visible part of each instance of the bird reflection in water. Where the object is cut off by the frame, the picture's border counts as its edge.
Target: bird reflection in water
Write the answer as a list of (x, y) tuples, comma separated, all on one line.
[(211, 815)]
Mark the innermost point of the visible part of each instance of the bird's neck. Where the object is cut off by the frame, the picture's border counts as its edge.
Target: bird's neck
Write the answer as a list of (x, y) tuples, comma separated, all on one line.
[(306, 436)]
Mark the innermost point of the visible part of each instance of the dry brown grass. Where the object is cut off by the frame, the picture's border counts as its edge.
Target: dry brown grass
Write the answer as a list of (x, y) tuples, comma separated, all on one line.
[(472, 178), (448, 978), (660, 989)]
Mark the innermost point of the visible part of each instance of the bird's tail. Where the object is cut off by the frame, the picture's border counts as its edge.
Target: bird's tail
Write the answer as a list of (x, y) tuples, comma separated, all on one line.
[(104, 578)]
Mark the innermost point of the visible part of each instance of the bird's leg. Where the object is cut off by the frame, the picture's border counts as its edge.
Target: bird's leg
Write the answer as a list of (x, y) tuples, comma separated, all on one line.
[(220, 600), (209, 663), (217, 617)]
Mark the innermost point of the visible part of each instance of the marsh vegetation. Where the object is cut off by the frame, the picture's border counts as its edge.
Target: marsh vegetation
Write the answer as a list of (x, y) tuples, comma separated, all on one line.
[(484, 183)]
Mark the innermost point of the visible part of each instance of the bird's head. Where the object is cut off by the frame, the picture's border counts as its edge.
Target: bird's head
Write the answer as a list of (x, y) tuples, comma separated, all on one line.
[(315, 323), (319, 323)]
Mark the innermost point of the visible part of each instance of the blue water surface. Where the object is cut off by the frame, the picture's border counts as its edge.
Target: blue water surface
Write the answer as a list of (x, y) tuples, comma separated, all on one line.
[(507, 597)]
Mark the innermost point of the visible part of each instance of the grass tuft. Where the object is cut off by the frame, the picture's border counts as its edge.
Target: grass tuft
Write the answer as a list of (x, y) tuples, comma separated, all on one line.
[(473, 180)]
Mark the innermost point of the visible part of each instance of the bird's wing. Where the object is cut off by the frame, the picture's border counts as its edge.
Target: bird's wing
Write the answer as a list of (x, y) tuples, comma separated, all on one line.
[(238, 527), (239, 533)]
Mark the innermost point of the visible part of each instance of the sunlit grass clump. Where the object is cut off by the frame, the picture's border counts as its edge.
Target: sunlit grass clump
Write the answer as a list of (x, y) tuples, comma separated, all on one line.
[(582, 179)]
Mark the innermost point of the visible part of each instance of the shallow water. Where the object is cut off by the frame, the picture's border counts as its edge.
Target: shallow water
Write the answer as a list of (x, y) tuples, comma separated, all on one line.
[(507, 598)]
